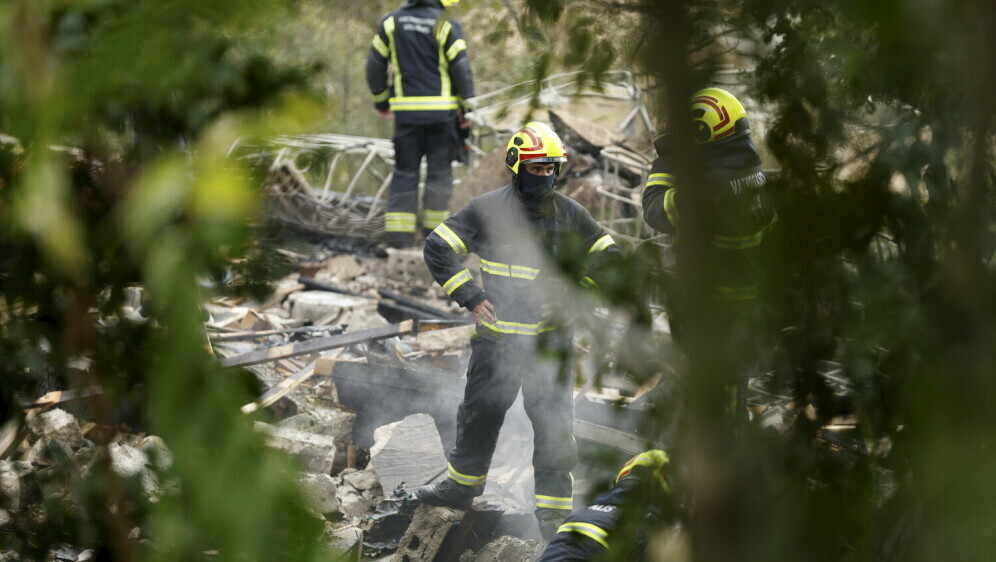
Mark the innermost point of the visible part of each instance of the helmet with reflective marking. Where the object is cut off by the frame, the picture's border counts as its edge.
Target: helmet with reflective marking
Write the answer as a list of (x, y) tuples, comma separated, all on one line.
[(655, 460), (715, 113), (448, 3), (536, 143)]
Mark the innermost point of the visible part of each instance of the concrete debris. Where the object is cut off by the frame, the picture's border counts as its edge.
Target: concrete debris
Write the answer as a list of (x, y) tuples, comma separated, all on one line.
[(155, 449), (319, 492), (425, 536), (442, 340), (408, 452), (60, 426), (335, 422), (408, 266), (345, 540), (365, 481), (340, 269), (316, 452), (352, 504), (327, 307), (506, 549)]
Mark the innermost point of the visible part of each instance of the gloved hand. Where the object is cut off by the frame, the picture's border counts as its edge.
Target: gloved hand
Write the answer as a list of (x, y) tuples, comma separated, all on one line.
[(655, 460)]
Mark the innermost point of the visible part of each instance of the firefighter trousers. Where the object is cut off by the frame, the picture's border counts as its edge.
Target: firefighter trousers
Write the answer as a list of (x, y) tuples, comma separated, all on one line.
[(412, 142), (496, 373)]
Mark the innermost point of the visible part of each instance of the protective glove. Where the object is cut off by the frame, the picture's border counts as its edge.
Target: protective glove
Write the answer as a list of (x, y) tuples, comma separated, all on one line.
[(655, 460)]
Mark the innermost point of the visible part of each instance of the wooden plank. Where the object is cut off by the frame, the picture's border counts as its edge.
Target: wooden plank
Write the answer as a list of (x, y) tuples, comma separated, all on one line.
[(57, 397), (281, 389), (316, 345)]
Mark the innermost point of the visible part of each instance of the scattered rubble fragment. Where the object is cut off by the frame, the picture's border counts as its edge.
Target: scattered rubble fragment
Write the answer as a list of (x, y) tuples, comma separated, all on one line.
[(408, 453)]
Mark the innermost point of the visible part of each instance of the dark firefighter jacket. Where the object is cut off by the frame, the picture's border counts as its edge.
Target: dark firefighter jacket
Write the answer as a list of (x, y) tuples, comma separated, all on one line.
[(590, 531), (430, 70), (743, 215), (514, 244)]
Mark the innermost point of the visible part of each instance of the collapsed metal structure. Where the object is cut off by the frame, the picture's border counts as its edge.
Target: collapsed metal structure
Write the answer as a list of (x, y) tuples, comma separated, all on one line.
[(336, 185)]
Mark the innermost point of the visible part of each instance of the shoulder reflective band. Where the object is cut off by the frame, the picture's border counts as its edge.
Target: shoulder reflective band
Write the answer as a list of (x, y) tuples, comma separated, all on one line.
[(432, 219), (424, 103), (399, 222), (389, 30), (383, 95), (661, 179), (445, 89), (505, 270), (669, 207), (456, 281), (593, 532), (601, 244), (463, 478), (743, 242), (451, 238), (454, 50), (551, 502), (380, 47)]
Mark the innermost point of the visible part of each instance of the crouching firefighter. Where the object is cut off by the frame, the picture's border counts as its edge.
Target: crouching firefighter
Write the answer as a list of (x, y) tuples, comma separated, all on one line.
[(430, 81), (515, 231), (617, 521)]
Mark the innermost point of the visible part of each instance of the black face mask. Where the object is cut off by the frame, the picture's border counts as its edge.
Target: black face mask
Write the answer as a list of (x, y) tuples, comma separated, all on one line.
[(533, 188)]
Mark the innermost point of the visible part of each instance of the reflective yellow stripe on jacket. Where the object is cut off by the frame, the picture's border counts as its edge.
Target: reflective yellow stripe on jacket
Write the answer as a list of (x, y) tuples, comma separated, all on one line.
[(456, 281), (601, 244), (506, 270), (598, 534), (447, 234), (424, 103)]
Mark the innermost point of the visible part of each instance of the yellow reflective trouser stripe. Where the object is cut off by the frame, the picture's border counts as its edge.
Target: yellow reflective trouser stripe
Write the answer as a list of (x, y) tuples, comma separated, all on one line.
[(588, 282), (519, 328), (451, 238), (389, 30), (432, 219), (551, 502), (456, 281), (381, 48), (424, 103), (743, 242), (444, 63), (506, 270), (601, 244), (660, 179), (669, 206), (737, 293), (458, 45), (463, 478), (399, 222), (587, 529), (383, 95)]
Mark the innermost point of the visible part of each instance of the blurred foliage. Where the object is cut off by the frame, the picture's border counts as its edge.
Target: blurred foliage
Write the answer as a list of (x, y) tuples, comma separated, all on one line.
[(879, 118), (123, 113)]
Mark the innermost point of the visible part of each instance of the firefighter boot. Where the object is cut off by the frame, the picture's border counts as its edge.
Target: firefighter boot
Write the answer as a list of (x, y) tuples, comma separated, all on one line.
[(448, 493), (550, 520)]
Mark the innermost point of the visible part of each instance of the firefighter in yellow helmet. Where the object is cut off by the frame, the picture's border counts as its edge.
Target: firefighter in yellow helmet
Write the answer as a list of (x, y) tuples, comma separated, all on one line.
[(419, 75), (732, 169), (514, 230), (615, 523)]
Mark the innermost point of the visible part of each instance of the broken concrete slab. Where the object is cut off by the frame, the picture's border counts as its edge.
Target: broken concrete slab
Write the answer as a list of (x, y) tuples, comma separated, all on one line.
[(442, 340), (335, 422), (407, 452), (345, 540), (407, 266), (507, 549), (316, 452), (365, 481), (352, 504), (58, 425), (156, 451), (327, 306), (425, 536), (319, 492)]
